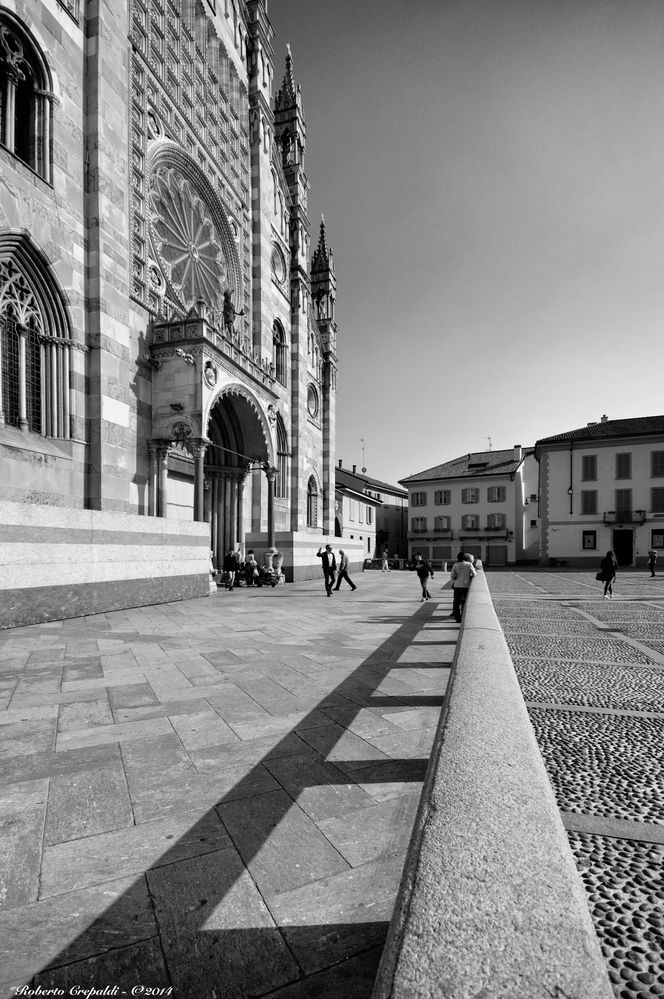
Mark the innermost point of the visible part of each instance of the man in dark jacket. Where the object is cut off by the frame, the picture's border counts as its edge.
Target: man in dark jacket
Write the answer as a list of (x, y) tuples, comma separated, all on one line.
[(329, 567)]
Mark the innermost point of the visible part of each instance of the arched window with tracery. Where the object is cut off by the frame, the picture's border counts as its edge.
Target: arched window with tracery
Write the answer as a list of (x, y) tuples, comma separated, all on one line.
[(34, 344), (280, 353), (281, 484), (26, 97), (312, 503)]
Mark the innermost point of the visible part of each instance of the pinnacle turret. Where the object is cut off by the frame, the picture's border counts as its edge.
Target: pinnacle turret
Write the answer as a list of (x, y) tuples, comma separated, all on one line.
[(287, 97), (321, 258)]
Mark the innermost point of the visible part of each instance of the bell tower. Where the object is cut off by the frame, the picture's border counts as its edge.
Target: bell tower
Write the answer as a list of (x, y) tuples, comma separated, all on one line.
[(290, 137), (324, 295)]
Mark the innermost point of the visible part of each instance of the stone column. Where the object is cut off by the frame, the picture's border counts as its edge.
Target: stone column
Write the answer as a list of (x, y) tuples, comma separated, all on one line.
[(270, 474), (198, 448), (2, 405), (66, 386), (22, 395), (10, 111), (163, 450), (233, 484), (152, 479), (54, 388), (240, 509)]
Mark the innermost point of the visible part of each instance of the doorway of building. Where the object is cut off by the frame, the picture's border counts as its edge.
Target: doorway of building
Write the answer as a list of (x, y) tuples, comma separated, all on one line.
[(623, 546)]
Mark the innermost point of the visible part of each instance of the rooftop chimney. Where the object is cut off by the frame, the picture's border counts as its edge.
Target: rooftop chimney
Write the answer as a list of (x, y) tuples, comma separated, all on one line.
[(341, 463), (604, 418), (518, 453), (354, 469)]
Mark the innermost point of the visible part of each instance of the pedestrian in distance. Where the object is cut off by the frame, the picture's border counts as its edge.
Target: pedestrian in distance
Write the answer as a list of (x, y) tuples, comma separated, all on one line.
[(607, 573), (329, 564), (424, 573), (652, 559), (343, 571), (231, 569), (462, 575), (251, 569), (386, 564)]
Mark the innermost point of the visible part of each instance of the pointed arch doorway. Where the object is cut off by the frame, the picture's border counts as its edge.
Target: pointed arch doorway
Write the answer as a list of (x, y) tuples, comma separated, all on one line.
[(239, 475)]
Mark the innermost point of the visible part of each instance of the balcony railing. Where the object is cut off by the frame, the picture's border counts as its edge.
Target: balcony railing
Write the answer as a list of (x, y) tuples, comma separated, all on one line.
[(625, 516), (234, 346)]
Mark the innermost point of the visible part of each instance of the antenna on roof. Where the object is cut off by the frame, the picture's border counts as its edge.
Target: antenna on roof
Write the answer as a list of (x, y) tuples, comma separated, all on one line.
[(489, 440), (364, 464)]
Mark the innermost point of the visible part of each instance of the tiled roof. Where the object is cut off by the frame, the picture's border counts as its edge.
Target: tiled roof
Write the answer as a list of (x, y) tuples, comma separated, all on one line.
[(477, 464), (608, 429), (361, 482)]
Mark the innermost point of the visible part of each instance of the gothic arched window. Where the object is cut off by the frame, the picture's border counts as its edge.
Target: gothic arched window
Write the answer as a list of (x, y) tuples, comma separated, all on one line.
[(281, 484), (25, 96), (280, 353), (34, 344), (312, 503)]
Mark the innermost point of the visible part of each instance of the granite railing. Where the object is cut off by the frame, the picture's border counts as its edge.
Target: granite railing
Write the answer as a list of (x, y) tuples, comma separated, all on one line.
[(490, 903)]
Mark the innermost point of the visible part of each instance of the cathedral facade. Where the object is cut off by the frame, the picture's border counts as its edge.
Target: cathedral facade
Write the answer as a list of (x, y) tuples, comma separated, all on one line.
[(168, 337)]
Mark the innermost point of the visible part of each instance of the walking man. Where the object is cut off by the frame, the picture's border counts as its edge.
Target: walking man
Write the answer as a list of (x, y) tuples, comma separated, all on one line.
[(462, 573), (329, 567), (652, 559), (343, 571), (386, 564)]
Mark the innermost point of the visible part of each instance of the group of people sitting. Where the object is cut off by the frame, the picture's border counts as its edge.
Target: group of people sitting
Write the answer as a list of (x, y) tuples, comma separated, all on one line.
[(245, 571), (461, 576)]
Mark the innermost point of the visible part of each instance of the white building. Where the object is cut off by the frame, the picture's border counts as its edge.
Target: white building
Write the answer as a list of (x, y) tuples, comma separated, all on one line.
[(601, 488), (356, 509), (483, 503)]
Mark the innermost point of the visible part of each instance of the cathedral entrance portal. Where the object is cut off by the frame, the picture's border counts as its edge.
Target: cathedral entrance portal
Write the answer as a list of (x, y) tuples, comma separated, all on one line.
[(239, 476)]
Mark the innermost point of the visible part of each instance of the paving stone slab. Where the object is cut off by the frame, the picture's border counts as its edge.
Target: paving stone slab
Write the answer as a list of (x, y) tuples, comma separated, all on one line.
[(39, 765), (84, 714), (124, 968), (359, 721), (338, 745), (73, 927), (202, 729), (212, 758), (134, 695), (122, 732), (415, 743), (86, 862), (373, 830), (20, 715), (157, 710), (216, 929), (339, 915), (27, 738), (352, 979), (301, 720), (87, 803), (280, 845), (392, 779), (320, 789), (22, 810)]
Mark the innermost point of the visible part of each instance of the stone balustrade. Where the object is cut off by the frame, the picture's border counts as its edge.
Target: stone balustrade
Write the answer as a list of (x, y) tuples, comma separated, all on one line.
[(490, 902)]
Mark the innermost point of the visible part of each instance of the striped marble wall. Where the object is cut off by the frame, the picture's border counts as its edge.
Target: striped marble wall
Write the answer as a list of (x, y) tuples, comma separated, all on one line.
[(58, 563)]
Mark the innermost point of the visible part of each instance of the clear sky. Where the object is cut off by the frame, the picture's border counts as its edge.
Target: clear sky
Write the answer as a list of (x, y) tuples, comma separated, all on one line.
[(492, 178)]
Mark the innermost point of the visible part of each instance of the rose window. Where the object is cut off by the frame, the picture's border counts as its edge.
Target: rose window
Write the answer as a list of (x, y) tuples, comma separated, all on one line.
[(186, 240)]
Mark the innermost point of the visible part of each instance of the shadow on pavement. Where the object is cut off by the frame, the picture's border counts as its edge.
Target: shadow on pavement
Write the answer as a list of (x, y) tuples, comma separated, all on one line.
[(202, 917)]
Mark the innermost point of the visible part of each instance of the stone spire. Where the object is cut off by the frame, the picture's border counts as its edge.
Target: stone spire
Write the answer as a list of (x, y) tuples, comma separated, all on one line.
[(287, 97), (321, 258)]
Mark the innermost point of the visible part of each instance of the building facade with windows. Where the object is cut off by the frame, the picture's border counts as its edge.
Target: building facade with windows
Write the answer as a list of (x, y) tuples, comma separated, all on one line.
[(168, 339), (357, 507), (389, 521), (484, 503), (602, 488)]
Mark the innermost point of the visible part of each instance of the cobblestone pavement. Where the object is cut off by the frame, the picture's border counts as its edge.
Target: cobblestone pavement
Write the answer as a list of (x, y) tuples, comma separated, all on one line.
[(592, 674), (216, 795)]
